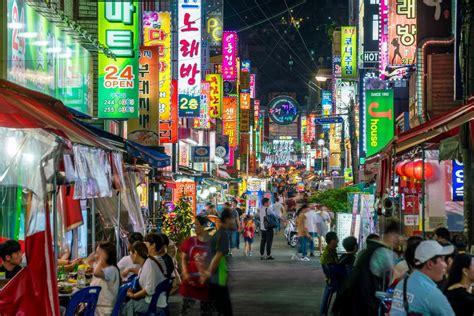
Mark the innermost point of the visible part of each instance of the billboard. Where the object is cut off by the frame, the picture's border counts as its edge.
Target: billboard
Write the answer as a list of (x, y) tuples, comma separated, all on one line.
[(189, 57), (144, 130), (253, 80), (230, 120), (379, 120), (401, 32), (203, 121), (215, 18), (229, 55), (371, 34), (42, 57), (349, 52), (118, 77), (169, 128), (215, 95), (245, 112), (157, 32), (383, 37)]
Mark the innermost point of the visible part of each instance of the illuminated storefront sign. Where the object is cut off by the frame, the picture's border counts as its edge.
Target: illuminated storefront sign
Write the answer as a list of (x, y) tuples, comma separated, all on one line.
[(371, 34), (349, 51), (41, 57), (156, 32), (185, 188), (256, 113), (229, 55), (458, 181), (118, 78), (383, 37), (402, 32), (326, 104), (215, 95), (253, 79), (169, 128), (189, 57), (204, 121), (214, 10), (245, 112), (230, 120), (336, 66), (379, 119), (245, 65), (283, 110), (144, 129)]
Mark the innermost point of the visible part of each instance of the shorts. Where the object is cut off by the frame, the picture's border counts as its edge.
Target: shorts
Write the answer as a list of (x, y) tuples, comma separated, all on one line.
[(248, 239)]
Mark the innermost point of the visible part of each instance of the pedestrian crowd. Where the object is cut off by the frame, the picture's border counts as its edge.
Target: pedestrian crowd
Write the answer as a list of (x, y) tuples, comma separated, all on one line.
[(429, 277)]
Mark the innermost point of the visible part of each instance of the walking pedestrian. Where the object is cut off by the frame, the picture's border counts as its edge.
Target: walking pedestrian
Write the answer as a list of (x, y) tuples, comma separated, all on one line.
[(311, 226), (249, 234), (303, 233), (267, 233), (216, 273), (323, 220), (236, 227), (279, 211), (418, 293)]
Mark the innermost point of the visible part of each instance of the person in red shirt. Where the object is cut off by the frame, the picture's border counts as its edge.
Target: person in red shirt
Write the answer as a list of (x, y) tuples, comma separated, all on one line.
[(249, 234), (194, 260)]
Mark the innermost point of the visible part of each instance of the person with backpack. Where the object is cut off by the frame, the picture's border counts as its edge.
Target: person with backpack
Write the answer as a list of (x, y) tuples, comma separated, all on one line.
[(195, 254), (150, 275), (106, 274), (267, 225)]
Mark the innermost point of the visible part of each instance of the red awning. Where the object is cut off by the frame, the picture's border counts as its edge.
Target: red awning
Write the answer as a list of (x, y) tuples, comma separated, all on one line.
[(436, 129), (24, 108)]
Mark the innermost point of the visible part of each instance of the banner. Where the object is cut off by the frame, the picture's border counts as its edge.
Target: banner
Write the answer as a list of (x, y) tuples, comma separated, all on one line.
[(169, 128), (245, 112), (204, 121), (458, 181), (215, 18), (118, 78), (215, 91), (379, 120), (185, 188), (229, 55), (256, 113), (144, 130), (230, 120), (253, 79), (189, 57), (371, 34), (349, 52), (157, 32), (42, 57), (401, 32)]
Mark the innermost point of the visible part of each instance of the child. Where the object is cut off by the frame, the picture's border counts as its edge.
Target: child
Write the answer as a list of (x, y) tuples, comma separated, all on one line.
[(249, 234)]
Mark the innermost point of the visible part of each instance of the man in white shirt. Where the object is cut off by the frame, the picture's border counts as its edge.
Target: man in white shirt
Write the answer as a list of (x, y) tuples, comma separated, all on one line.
[(323, 220), (279, 211), (311, 226)]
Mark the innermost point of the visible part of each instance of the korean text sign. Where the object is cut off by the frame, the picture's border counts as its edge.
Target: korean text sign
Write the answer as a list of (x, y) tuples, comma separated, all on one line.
[(157, 32), (203, 120), (230, 120), (245, 112), (256, 113), (229, 55), (349, 51), (253, 79), (379, 119), (144, 130), (118, 79), (169, 128), (458, 181), (402, 32), (215, 94), (189, 57)]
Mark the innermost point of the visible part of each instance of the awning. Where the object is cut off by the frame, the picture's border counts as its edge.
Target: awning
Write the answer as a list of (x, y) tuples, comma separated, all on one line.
[(436, 129), (152, 157), (24, 108), (115, 140)]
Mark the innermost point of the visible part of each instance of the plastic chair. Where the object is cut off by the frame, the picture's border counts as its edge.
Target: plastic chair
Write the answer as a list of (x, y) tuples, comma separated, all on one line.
[(122, 293), (84, 299), (333, 274), (163, 287)]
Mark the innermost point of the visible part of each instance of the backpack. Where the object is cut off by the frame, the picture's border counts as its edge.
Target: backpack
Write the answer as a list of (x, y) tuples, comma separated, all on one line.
[(270, 221)]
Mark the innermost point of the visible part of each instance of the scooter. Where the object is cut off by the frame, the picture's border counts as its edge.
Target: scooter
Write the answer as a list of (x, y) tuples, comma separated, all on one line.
[(291, 233)]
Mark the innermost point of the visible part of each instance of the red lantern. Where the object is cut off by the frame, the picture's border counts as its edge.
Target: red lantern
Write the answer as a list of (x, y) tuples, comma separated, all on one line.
[(408, 169), (418, 170), (399, 168)]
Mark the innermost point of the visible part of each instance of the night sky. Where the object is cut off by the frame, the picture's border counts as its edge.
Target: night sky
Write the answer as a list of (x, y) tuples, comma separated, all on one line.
[(286, 54)]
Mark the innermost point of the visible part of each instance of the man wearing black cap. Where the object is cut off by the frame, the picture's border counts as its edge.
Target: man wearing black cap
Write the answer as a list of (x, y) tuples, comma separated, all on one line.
[(417, 293)]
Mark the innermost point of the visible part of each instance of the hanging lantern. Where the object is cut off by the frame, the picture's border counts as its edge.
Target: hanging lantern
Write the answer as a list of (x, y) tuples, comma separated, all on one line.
[(408, 169), (399, 168), (418, 170)]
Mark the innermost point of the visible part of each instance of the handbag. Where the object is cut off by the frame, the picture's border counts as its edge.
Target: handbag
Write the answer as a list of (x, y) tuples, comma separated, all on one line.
[(269, 221)]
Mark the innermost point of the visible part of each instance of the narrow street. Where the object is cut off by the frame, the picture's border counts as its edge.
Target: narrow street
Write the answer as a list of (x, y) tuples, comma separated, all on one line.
[(278, 287)]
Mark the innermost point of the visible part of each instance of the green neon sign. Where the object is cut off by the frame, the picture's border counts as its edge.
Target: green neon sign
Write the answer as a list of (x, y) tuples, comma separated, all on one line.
[(379, 122)]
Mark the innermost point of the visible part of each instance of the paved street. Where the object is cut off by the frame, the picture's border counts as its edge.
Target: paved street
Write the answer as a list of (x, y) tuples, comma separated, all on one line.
[(279, 287)]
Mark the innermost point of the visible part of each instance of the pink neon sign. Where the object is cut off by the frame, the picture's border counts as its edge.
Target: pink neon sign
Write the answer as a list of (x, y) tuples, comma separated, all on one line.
[(229, 55)]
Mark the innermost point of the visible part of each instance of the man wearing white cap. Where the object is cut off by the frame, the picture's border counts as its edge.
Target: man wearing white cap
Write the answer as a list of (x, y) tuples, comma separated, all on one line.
[(418, 294)]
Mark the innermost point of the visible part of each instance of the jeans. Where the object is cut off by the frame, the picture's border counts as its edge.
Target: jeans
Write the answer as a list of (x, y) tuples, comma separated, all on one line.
[(221, 297), (303, 244), (267, 240), (187, 305), (311, 242), (135, 306), (234, 239)]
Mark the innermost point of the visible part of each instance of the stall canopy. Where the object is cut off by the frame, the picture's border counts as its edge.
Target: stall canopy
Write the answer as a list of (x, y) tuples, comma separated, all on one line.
[(154, 158), (24, 108)]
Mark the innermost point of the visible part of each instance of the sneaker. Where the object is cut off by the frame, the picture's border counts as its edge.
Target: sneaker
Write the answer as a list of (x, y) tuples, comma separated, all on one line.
[(305, 259), (294, 257), (270, 258), (250, 254), (311, 254), (262, 257)]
